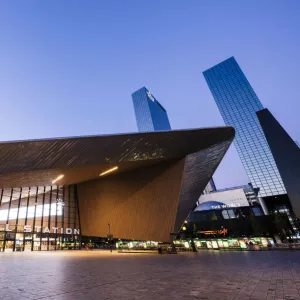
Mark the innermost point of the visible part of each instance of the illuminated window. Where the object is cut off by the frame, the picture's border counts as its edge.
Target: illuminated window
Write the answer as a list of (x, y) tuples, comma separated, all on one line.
[(56, 210)]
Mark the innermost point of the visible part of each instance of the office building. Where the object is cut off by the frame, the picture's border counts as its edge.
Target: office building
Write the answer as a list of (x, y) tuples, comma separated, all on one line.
[(287, 157), (150, 114), (232, 218), (238, 105), (232, 228), (234, 197), (55, 191)]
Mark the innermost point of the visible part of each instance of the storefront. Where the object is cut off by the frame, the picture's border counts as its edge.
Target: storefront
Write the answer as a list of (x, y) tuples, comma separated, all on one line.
[(226, 244), (39, 219), (136, 245)]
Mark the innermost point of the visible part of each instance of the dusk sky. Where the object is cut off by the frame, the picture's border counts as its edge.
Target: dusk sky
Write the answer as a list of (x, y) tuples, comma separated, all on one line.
[(68, 68)]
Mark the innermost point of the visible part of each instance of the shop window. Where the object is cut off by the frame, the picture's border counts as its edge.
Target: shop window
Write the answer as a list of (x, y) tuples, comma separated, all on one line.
[(256, 211), (225, 214), (231, 214)]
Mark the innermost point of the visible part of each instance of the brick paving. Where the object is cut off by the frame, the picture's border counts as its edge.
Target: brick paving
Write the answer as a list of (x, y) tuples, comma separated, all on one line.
[(102, 275)]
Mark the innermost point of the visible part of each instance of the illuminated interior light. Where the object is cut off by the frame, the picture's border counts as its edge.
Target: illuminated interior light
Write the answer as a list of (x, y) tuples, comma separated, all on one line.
[(109, 171), (58, 178), (31, 212)]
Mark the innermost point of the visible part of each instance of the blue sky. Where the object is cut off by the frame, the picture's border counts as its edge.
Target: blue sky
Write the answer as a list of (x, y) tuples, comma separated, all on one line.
[(68, 68)]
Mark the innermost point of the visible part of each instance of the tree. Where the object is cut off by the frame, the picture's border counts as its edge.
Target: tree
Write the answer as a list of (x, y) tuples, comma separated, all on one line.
[(214, 216)]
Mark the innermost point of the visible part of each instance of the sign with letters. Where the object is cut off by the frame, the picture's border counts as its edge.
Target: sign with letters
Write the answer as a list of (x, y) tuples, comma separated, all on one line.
[(222, 200), (150, 96), (222, 231), (40, 229)]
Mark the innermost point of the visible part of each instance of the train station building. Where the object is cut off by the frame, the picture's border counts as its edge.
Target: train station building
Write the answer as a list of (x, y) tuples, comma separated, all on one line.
[(54, 191)]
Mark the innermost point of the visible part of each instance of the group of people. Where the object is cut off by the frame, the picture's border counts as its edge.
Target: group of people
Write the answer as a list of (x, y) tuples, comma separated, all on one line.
[(249, 243)]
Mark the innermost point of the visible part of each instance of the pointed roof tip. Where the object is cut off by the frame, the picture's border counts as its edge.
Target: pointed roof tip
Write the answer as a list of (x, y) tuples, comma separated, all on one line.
[(143, 87), (229, 58)]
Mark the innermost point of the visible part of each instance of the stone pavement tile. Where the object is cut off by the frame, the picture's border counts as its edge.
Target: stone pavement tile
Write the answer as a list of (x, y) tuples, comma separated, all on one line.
[(273, 286), (278, 296), (291, 295), (10, 297), (263, 284), (219, 295), (17, 294), (259, 295), (244, 293), (96, 275), (261, 291), (237, 297)]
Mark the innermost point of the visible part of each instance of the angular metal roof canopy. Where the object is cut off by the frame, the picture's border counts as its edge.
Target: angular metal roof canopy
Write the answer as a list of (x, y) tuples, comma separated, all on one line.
[(39, 162)]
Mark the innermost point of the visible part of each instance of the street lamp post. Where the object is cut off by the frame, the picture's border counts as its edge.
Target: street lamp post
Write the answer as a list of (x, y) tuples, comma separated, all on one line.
[(109, 237), (173, 236)]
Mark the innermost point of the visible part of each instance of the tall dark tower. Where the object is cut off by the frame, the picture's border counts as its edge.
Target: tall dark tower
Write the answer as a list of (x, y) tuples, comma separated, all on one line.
[(286, 154)]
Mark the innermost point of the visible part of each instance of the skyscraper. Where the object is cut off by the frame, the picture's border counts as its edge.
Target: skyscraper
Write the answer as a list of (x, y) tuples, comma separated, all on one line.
[(286, 154), (238, 105), (150, 114)]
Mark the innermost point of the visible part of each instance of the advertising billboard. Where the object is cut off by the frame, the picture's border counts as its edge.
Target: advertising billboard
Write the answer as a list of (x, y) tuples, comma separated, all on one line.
[(221, 200)]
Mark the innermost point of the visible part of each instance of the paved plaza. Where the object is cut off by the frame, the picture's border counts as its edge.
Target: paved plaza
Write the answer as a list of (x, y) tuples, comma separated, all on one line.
[(103, 275)]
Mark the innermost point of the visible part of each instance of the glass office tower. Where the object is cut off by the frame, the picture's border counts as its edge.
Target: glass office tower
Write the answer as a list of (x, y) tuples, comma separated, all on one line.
[(238, 105), (150, 114)]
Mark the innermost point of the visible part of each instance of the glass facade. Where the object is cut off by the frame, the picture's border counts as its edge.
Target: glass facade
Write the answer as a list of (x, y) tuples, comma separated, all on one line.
[(150, 114), (238, 105), (39, 218), (211, 187)]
